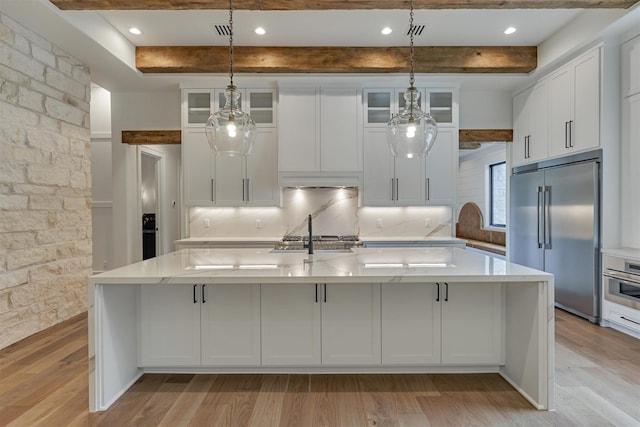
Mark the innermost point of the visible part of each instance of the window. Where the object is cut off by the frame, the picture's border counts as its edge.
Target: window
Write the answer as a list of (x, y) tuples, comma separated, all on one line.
[(498, 194)]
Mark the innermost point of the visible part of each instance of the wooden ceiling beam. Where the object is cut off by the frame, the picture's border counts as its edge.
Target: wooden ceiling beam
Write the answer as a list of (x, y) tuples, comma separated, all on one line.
[(337, 4), (151, 137), (472, 136), (248, 59)]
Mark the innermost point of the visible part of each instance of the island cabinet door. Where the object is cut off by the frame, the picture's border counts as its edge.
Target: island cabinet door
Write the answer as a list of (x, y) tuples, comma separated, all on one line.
[(472, 323), (290, 323), (411, 323), (351, 324), (169, 325), (230, 325)]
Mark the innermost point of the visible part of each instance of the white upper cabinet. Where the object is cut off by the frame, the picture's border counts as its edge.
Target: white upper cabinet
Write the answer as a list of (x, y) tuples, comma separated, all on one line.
[(320, 130), (442, 168), (198, 168), (390, 181), (340, 130), (531, 124), (198, 104), (251, 180), (631, 67), (299, 130), (574, 105), (381, 103), (211, 180)]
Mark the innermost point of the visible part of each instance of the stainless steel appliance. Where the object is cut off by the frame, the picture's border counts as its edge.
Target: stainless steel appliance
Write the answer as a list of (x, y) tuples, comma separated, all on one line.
[(320, 242), (554, 226), (622, 282)]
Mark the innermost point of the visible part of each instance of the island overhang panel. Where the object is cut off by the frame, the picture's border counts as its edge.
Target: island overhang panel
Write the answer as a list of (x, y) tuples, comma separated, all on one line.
[(455, 291)]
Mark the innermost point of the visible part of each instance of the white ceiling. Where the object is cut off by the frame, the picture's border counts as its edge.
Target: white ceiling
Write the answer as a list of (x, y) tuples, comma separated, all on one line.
[(341, 28), (102, 40)]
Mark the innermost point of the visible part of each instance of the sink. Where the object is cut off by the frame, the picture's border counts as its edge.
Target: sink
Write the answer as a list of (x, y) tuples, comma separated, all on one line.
[(316, 250)]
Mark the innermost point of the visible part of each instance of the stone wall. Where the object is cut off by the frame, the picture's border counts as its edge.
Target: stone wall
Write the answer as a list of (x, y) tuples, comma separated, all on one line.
[(45, 183)]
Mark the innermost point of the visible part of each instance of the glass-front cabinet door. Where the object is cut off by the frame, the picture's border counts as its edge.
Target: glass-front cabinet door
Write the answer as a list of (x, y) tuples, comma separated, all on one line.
[(259, 103), (378, 106), (197, 107)]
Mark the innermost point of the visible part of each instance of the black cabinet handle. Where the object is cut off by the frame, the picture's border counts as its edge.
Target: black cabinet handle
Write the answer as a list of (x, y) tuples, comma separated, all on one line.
[(195, 298), (325, 292), (437, 291), (316, 292), (570, 134), (203, 300), (446, 291)]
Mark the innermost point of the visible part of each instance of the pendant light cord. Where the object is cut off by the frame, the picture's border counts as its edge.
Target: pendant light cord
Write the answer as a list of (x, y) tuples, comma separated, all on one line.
[(231, 41), (411, 60)]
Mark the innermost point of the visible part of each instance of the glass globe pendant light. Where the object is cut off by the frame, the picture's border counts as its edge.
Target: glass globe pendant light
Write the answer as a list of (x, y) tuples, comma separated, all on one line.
[(230, 131), (412, 132)]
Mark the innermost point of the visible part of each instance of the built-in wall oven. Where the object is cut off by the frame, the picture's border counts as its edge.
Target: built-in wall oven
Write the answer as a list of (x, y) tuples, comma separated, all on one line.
[(622, 282)]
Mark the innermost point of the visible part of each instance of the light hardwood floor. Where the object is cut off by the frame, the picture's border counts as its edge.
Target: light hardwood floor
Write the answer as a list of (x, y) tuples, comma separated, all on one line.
[(43, 382)]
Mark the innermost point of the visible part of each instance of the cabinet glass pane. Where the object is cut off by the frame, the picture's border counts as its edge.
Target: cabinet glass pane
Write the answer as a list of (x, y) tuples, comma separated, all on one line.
[(378, 116), (261, 116), (198, 107), (198, 116), (402, 103), (222, 99), (261, 100), (199, 100), (441, 106), (379, 99)]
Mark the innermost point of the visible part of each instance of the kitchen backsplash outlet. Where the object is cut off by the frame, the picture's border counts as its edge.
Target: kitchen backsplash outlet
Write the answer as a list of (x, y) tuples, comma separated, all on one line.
[(335, 212)]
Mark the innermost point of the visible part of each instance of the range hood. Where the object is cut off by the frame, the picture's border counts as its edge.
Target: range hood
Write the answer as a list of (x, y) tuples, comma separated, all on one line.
[(319, 179)]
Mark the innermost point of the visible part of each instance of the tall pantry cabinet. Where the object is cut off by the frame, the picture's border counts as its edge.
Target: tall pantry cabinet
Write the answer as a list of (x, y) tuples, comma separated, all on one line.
[(630, 147)]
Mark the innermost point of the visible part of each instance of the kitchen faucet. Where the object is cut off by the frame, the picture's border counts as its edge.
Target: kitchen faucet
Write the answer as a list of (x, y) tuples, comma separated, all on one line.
[(310, 245)]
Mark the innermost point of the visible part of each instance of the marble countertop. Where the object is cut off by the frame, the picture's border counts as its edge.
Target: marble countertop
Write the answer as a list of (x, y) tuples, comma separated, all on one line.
[(408, 239), (631, 253), (363, 265)]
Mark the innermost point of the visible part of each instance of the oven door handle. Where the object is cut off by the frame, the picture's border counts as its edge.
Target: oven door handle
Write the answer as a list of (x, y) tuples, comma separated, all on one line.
[(622, 277)]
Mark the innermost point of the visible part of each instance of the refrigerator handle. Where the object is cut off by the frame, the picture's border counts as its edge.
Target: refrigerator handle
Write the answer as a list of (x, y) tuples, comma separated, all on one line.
[(540, 223), (547, 218)]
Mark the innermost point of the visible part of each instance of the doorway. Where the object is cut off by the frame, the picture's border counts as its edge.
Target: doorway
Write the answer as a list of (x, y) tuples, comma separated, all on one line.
[(149, 203)]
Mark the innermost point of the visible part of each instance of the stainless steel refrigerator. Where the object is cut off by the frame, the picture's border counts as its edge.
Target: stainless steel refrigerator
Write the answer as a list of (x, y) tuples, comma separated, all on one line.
[(554, 226)]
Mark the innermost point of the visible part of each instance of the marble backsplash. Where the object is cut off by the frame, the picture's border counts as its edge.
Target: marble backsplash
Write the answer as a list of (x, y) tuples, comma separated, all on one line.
[(335, 211)]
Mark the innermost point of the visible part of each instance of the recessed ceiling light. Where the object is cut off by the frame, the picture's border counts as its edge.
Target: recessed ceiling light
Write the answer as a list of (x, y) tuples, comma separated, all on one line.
[(261, 31), (134, 30), (510, 30), (386, 31)]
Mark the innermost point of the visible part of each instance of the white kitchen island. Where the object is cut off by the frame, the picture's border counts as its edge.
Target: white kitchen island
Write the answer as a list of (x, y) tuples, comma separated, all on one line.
[(386, 310)]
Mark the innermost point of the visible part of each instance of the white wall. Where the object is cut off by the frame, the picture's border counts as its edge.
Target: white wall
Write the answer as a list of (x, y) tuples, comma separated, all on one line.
[(136, 111), (473, 178), (484, 109), (101, 191)]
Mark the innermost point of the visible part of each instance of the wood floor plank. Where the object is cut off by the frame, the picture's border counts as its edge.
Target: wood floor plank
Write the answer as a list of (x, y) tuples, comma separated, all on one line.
[(132, 402), (268, 405), (186, 405), (297, 403), (35, 413)]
